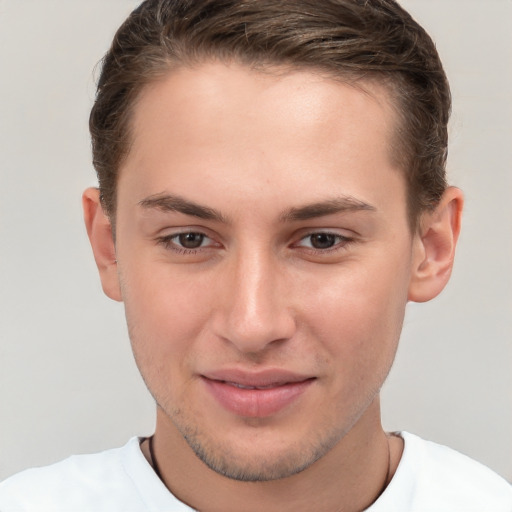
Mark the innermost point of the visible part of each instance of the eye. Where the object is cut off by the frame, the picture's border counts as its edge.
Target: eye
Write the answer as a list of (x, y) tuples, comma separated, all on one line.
[(189, 240), (323, 241), (186, 242)]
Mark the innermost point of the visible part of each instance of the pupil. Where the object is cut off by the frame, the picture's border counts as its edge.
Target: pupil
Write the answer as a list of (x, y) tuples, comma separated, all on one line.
[(322, 240), (191, 240)]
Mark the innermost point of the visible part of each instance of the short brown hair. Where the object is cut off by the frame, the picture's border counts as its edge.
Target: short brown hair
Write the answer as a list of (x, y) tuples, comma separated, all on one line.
[(348, 39)]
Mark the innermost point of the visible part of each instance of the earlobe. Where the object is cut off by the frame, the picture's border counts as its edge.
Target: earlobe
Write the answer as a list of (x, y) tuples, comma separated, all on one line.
[(434, 247), (99, 230)]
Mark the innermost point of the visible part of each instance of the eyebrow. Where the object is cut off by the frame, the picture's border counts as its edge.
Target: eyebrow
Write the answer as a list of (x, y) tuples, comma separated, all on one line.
[(171, 203), (322, 208)]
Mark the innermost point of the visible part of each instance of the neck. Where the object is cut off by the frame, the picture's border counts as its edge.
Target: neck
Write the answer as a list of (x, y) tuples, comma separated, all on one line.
[(350, 477)]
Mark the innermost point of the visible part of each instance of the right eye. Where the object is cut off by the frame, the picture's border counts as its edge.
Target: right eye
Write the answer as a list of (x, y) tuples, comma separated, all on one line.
[(186, 242)]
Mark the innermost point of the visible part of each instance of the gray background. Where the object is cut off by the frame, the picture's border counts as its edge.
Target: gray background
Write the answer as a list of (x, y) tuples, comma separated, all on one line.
[(67, 380)]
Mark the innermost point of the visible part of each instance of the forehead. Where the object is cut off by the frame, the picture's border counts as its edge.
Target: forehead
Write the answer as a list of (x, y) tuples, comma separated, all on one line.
[(248, 130), (230, 95)]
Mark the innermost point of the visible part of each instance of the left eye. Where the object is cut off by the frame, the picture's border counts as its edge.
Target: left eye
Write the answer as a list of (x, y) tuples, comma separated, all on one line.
[(322, 240)]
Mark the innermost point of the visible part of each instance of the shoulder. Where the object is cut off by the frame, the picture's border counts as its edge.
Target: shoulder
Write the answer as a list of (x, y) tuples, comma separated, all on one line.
[(439, 478), (80, 482)]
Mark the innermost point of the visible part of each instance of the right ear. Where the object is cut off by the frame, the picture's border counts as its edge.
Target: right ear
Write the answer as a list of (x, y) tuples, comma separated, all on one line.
[(99, 230)]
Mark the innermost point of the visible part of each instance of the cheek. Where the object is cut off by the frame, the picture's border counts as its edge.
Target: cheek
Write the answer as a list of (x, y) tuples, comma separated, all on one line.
[(359, 315), (165, 313)]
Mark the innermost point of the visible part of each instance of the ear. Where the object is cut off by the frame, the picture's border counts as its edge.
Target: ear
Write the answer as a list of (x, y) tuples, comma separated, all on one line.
[(434, 247), (99, 230)]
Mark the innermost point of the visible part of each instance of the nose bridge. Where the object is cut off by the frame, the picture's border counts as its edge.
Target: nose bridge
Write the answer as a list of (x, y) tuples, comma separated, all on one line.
[(256, 311)]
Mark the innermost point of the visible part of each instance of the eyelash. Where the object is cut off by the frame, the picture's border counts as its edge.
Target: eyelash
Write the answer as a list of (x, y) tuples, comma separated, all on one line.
[(169, 243), (342, 243)]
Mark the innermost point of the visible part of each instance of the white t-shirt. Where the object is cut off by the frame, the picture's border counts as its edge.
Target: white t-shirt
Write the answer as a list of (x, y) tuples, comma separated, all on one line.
[(429, 478)]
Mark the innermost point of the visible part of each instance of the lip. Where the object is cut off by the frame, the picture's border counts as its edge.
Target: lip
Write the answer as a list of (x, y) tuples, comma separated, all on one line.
[(256, 394)]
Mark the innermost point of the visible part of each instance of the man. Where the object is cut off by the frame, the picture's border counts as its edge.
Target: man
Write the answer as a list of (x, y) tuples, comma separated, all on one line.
[(272, 194)]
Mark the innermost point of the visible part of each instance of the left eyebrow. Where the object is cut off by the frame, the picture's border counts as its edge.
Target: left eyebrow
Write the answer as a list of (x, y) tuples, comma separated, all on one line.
[(336, 205)]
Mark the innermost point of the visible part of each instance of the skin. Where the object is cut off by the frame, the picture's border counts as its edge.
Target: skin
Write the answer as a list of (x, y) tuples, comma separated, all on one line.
[(276, 283)]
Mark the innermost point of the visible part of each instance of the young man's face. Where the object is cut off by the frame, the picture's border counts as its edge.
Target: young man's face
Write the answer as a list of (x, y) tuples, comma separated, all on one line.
[(265, 260)]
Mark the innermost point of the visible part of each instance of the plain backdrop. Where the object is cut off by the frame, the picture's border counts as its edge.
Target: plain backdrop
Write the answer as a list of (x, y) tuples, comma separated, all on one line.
[(68, 383)]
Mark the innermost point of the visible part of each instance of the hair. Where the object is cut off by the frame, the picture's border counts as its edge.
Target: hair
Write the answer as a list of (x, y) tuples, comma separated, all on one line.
[(351, 40)]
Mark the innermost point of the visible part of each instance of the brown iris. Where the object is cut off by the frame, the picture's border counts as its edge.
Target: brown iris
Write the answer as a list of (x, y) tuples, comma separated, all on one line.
[(322, 240), (191, 240)]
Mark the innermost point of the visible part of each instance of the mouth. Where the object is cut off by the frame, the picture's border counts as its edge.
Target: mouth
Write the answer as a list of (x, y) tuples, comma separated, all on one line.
[(256, 395)]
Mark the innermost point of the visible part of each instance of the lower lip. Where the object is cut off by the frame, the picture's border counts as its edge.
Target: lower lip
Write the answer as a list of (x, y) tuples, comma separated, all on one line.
[(256, 403)]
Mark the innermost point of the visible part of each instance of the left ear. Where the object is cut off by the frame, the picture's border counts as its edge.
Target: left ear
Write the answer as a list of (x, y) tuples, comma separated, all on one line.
[(434, 247)]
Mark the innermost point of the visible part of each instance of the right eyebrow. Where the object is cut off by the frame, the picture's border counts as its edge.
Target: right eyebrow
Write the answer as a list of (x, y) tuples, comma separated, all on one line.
[(171, 203)]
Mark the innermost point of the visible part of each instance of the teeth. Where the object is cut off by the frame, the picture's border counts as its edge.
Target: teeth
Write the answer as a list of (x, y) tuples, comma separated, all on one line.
[(242, 386)]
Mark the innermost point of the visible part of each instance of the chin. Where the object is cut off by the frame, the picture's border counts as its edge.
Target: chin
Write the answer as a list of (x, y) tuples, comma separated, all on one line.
[(246, 463), (247, 468)]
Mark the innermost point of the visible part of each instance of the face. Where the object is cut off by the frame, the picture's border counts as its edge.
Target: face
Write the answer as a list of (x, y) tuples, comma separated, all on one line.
[(264, 258)]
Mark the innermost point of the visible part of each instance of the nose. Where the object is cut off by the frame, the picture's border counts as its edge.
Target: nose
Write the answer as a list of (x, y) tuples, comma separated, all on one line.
[(254, 310)]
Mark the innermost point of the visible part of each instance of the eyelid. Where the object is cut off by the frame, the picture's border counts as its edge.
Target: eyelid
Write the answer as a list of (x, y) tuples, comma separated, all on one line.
[(305, 233)]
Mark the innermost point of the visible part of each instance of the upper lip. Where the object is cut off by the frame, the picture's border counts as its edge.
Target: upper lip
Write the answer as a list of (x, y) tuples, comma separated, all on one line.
[(261, 378)]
